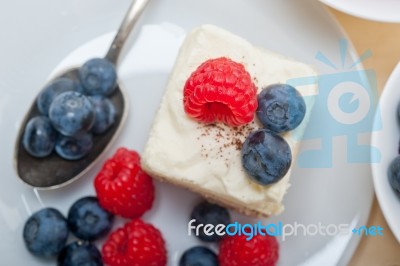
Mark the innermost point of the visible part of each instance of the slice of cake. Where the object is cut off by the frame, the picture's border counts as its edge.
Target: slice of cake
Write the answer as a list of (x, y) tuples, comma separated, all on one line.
[(206, 157)]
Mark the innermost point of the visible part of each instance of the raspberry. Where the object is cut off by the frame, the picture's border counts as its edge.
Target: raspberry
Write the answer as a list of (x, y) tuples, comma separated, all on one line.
[(126, 158), (135, 244), (122, 187), (220, 90), (258, 251)]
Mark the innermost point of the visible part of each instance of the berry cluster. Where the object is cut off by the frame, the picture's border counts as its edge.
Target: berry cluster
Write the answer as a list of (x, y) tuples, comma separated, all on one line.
[(266, 156), (261, 250), (46, 232), (122, 189), (71, 111), (221, 90)]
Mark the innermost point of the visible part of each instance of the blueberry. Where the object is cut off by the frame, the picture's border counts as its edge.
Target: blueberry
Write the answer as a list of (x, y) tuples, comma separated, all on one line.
[(198, 256), (266, 157), (71, 113), (394, 173), (87, 220), (45, 232), (53, 89), (398, 113), (280, 108), (80, 254), (208, 213), (74, 148), (98, 77), (39, 137), (398, 148), (105, 113)]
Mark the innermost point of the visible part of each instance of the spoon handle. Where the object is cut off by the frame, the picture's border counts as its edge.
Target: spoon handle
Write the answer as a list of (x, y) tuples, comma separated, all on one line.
[(131, 17)]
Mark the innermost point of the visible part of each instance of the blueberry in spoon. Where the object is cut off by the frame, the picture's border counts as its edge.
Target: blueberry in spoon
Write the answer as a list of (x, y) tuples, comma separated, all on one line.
[(96, 77)]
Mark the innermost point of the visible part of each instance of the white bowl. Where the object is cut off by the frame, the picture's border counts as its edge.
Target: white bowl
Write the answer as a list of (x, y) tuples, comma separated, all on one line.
[(377, 10), (387, 141)]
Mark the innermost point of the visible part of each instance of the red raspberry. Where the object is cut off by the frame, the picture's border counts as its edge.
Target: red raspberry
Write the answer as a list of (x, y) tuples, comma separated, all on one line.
[(122, 187), (115, 249), (135, 244), (258, 251), (220, 90), (126, 158)]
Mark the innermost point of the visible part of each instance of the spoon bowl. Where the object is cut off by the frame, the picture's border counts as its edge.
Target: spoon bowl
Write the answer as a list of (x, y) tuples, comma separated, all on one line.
[(53, 171)]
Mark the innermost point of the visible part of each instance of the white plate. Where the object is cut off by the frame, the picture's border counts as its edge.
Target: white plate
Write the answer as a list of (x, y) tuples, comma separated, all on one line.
[(299, 29), (382, 10), (387, 141)]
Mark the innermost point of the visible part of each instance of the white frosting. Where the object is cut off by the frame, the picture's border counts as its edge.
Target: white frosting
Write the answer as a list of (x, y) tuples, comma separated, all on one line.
[(206, 158)]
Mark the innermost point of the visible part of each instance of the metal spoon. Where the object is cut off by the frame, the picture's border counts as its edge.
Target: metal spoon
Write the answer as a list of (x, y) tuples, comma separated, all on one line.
[(53, 171)]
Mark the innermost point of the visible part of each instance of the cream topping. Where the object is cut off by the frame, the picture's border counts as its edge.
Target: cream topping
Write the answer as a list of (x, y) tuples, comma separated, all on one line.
[(183, 150)]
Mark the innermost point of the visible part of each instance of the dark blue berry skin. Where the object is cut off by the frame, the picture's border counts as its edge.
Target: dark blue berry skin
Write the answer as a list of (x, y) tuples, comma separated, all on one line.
[(53, 89), (80, 254), (98, 77), (398, 113), (39, 137), (198, 256), (74, 148), (280, 108), (45, 232), (72, 113), (398, 148), (87, 220), (105, 113), (208, 213), (266, 157), (394, 174)]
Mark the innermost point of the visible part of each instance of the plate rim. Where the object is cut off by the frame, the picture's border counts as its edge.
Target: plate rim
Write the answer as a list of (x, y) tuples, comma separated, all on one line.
[(352, 12), (376, 174)]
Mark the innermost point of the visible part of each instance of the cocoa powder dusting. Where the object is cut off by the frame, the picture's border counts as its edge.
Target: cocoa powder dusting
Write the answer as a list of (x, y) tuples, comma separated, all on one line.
[(225, 137)]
